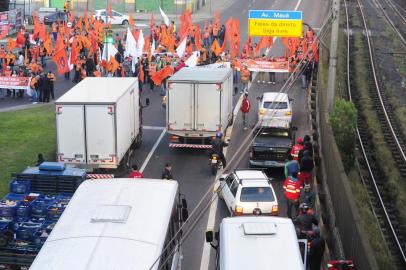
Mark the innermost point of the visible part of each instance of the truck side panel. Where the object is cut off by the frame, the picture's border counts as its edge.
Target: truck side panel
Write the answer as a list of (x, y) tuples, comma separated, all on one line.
[(70, 128), (100, 134), (208, 108), (226, 101), (126, 115), (180, 107)]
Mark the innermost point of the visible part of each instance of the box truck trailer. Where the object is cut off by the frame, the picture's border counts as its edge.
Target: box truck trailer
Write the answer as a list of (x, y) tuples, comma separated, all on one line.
[(99, 122), (199, 103)]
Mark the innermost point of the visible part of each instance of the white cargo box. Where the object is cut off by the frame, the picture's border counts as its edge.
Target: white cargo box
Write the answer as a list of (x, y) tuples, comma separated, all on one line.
[(199, 103), (97, 121)]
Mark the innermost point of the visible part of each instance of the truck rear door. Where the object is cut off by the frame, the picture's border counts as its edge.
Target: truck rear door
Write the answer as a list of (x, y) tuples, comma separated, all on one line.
[(180, 108), (100, 134), (70, 128), (208, 109)]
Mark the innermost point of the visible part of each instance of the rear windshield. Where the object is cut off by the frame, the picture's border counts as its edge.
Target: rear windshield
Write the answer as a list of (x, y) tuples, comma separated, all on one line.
[(274, 132), (256, 194), (275, 105)]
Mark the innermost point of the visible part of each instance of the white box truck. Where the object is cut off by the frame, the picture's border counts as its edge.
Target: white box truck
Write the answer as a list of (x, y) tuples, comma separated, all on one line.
[(199, 103), (98, 121)]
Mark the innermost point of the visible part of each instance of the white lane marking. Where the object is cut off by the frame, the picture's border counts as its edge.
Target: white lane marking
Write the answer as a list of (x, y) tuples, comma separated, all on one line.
[(153, 127), (152, 151), (204, 263)]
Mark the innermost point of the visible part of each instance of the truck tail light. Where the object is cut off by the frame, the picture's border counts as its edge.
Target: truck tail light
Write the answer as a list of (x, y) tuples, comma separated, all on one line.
[(58, 109), (288, 113), (174, 138), (219, 86), (238, 211), (262, 111), (110, 110), (169, 127), (113, 158), (274, 210), (60, 158), (169, 85)]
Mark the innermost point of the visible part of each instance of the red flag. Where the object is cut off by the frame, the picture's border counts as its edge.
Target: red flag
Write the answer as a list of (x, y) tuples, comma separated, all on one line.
[(20, 39), (61, 61), (73, 54), (161, 75)]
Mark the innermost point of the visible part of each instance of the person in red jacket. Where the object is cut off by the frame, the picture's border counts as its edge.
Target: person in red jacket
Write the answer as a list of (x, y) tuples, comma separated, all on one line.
[(135, 173), (245, 108), (292, 193), (296, 148)]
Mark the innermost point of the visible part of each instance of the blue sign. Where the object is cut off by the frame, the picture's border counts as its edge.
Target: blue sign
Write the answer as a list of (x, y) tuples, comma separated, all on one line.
[(275, 15)]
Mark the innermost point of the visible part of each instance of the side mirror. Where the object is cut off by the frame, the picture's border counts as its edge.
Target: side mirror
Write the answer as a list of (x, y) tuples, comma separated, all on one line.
[(185, 214), (147, 102), (209, 236), (184, 203), (294, 128), (291, 99)]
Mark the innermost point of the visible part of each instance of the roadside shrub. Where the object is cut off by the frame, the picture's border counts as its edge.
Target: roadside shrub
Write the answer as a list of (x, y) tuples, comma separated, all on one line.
[(343, 119)]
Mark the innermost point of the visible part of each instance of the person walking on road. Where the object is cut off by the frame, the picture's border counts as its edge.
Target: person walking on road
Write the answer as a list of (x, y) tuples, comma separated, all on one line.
[(245, 77), (51, 77), (167, 173), (245, 109), (296, 148), (292, 192), (307, 196), (135, 173)]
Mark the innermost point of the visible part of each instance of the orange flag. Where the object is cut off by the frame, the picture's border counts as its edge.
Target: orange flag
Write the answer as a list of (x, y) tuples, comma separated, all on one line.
[(171, 43), (85, 41), (114, 65), (71, 16), (215, 47), (131, 22), (80, 24), (61, 61), (73, 54), (11, 44), (48, 45), (42, 32), (161, 75), (59, 43), (261, 44)]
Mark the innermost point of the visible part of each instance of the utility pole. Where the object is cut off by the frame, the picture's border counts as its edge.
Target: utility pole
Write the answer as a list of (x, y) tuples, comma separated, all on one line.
[(333, 55)]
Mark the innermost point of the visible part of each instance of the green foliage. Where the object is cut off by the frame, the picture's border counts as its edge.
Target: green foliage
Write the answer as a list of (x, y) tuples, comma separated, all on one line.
[(343, 119), (24, 134)]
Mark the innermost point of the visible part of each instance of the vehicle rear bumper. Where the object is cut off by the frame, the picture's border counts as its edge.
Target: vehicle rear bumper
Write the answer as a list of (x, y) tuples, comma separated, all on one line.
[(267, 163)]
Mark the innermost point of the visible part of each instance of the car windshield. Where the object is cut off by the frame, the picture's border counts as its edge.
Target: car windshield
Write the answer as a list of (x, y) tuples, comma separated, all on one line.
[(275, 105), (256, 194), (274, 132)]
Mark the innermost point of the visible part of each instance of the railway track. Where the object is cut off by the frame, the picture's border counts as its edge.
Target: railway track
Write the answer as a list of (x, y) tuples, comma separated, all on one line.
[(373, 177), (394, 17)]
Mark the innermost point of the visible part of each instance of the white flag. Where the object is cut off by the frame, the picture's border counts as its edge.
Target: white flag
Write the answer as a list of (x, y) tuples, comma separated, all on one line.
[(166, 19), (108, 50), (153, 47), (130, 45), (180, 50), (140, 44), (192, 60)]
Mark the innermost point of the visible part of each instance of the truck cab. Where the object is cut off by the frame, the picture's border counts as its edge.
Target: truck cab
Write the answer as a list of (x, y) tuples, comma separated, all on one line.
[(272, 144)]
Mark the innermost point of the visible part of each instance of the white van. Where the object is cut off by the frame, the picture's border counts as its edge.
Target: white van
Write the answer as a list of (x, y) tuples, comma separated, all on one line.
[(258, 242)]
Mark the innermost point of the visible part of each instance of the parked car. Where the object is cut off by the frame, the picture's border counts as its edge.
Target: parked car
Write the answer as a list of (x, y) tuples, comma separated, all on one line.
[(117, 18), (55, 17), (274, 105), (248, 192)]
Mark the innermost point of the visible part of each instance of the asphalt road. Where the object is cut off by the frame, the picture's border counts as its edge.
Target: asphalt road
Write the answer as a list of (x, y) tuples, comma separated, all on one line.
[(190, 166)]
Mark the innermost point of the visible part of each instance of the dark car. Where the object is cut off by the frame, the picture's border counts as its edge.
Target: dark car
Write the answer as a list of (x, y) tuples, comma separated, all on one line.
[(55, 17), (271, 147)]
